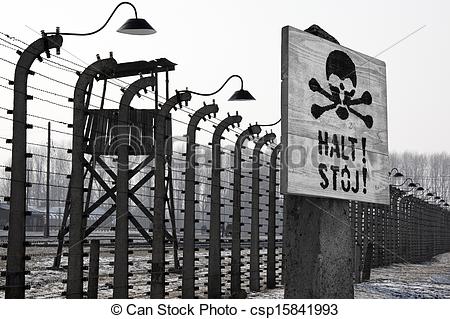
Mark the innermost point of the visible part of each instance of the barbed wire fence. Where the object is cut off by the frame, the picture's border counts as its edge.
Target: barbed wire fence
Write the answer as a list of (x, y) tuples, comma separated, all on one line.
[(177, 159), (201, 220)]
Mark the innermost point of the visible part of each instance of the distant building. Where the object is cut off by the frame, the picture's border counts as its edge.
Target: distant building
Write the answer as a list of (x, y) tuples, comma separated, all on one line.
[(36, 220)]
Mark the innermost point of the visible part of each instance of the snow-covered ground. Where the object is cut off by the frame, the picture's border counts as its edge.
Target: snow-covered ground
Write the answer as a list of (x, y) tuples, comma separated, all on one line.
[(47, 283), (425, 280)]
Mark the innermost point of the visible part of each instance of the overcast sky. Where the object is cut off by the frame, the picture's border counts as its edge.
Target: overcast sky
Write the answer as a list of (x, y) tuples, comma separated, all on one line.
[(210, 40)]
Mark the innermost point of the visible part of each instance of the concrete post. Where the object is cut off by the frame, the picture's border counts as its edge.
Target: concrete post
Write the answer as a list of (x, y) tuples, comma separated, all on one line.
[(254, 236), (94, 254), (157, 289), (367, 262), (76, 232), (188, 286), (121, 241), (318, 248), (357, 263), (15, 262), (47, 193), (236, 221), (366, 231), (271, 218), (214, 269)]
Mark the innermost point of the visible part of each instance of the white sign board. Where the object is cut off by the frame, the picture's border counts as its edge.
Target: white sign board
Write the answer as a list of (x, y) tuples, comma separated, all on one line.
[(334, 122)]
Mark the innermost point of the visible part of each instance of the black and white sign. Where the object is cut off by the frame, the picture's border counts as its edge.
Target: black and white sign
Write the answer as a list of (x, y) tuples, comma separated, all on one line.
[(334, 122)]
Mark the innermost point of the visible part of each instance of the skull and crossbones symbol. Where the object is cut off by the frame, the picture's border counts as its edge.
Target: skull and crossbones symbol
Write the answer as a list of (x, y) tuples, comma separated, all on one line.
[(341, 76)]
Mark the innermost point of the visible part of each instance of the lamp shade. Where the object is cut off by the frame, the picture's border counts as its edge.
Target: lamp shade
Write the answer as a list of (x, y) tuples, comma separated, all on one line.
[(241, 95), (136, 26)]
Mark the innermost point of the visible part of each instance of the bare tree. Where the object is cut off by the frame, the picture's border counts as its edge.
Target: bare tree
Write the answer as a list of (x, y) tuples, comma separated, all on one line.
[(432, 171)]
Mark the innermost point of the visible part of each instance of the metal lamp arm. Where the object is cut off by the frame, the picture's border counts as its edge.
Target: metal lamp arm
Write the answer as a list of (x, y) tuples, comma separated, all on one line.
[(223, 85), (271, 124), (408, 179), (103, 26)]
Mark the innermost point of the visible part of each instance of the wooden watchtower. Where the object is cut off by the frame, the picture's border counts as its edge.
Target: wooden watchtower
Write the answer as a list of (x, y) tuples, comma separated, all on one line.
[(103, 131)]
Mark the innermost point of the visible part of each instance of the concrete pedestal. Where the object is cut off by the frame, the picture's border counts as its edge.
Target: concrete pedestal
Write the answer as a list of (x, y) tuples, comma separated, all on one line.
[(318, 248)]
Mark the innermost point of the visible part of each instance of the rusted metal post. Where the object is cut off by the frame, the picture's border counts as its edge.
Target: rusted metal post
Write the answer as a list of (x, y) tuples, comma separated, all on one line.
[(214, 269), (157, 289), (271, 218), (188, 289), (94, 255), (76, 233), (120, 290), (15, 264), (254, 236), (236, 221)]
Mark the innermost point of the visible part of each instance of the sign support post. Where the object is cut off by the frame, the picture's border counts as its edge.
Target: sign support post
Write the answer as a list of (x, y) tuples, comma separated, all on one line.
[(318, 243), (334, 137)]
